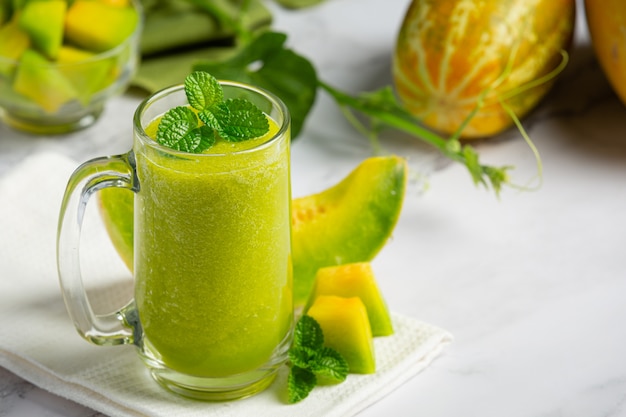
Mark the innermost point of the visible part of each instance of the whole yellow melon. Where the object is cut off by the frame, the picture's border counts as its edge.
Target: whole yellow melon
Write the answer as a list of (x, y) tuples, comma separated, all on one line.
[(452, 55)]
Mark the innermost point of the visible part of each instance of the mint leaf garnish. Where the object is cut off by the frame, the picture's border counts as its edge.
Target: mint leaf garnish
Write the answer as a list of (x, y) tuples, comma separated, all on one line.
[(300, 383), (209, 119), (207, 138), (203, 90), (233, 120), (330, 366), (302, 356), (178, 130), (178, 114), (311, 362), (240, 119), (308, 333)]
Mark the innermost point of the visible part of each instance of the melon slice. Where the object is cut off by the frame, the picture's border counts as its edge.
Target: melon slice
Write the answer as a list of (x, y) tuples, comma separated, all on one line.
[(43, 20), (355, 280), (349, 222), (346, 329)]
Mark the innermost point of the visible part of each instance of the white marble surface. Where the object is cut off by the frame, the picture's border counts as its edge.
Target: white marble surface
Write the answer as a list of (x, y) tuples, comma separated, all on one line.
[(532, 285)]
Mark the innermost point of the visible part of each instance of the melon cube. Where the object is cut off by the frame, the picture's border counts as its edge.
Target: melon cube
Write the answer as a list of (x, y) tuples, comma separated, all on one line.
[(43, 20), (42, 82), (355, 280), (88, 73), (13, 42), (98, 26), (346, 329)]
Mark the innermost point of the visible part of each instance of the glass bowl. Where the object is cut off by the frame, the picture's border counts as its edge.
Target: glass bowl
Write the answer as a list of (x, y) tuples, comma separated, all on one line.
[(45, 96)]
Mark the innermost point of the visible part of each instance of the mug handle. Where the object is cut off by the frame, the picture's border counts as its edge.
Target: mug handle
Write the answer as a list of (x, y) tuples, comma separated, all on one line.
[(118, 327)]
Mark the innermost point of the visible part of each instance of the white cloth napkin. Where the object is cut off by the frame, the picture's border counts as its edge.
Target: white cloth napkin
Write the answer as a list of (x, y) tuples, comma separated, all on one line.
[(38, 341)]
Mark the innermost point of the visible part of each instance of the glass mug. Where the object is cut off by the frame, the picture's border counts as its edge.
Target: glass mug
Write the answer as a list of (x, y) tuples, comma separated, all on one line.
[(212, 314)]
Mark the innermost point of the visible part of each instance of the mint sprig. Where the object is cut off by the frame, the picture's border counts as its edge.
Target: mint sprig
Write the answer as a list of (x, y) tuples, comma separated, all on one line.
[(312, 363), (233, 120)]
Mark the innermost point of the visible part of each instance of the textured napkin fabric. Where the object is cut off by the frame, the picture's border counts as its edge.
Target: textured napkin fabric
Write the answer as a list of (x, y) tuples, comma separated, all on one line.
[(38, 341)]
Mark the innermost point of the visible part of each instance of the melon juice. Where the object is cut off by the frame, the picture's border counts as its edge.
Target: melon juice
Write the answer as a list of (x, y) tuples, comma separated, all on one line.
[(212, 254)]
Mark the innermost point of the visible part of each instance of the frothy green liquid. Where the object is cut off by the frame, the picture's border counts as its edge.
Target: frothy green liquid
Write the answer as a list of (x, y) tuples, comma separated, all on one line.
[(212, 256)]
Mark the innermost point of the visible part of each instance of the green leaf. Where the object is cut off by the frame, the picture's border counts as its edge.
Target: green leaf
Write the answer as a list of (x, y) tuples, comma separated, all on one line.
[(240, 120), (308, 333), (299, 384), (203, 90), (329, 366), (302, 356), (175, 114), (177, 130), (208, 118), (267, 63), (311, 361), (207, 138)]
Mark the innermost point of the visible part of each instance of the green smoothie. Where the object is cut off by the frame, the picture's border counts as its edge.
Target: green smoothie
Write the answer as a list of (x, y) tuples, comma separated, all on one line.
[(212, 255)]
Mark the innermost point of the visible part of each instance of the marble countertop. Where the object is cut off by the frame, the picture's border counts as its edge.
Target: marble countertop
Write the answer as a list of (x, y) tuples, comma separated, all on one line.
[(531, 284)]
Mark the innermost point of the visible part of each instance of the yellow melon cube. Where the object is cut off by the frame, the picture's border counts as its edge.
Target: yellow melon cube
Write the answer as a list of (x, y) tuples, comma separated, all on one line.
[(346, 329), (355, 280)]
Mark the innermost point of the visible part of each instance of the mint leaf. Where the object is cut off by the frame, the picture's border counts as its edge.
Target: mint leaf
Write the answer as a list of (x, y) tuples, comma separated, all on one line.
[(240, 120), (177, 130), (300, 383), (311, 361), (177, 114), (329, 366), (209, 119), (308, 333), (203, 90), (267, 63), (302, 356), (234, 120), (207, 138)]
